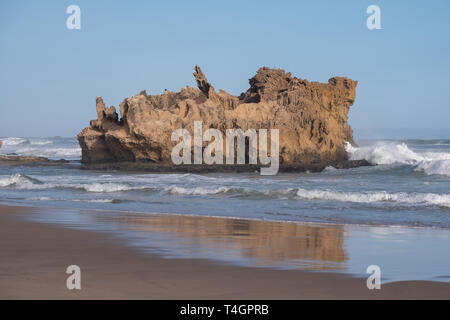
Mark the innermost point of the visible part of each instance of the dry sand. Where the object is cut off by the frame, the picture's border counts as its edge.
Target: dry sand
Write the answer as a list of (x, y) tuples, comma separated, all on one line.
[(34, 257)]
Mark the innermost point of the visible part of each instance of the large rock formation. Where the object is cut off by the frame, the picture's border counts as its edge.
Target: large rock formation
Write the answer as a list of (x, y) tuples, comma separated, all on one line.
[(311, 118)]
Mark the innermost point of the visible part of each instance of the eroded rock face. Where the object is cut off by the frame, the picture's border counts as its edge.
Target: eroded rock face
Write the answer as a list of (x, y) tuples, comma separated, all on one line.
[(311, 118)]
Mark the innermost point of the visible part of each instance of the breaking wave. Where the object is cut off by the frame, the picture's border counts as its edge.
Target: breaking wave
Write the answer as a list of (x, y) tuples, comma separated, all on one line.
[(21, 181), (53, 148), (373, 197), (390, 153), (236, 191), (196, 190), (12, 141), (76, 200)]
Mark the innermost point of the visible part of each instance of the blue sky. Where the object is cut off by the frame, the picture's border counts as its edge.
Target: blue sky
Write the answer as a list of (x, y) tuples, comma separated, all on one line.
[(50, 75)]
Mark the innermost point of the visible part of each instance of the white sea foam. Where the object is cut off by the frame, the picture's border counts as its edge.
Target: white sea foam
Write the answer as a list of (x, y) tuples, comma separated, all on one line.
[(95, 200), (12, 141), (42, 147), (391, 153), (74, 200), (40, 199), (240, 191), (98, 200), (196, 190), (39, 142), (6, 182), (19, 181), (105, 187), (441, 167), (53, 153), (373, 197)]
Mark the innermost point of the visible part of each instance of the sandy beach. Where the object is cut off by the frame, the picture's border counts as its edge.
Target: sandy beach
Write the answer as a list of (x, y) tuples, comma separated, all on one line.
[(34, 257)]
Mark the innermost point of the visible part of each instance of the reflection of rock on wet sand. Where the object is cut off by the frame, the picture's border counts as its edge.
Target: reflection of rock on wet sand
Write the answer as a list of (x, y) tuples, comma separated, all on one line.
[(272, 241)]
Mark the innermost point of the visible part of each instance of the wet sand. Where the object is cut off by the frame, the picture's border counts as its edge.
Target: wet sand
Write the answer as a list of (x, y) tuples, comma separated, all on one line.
[(34, 257)]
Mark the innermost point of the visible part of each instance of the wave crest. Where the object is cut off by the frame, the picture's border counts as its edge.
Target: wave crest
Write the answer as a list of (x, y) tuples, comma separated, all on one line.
[(373, 197), (43, 147), (21, 181), (196, 190), (391, 153)]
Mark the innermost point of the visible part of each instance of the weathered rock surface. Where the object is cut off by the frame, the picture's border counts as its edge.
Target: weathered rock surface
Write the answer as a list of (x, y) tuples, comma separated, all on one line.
[(13, 159), (311, 118), (1, 143)]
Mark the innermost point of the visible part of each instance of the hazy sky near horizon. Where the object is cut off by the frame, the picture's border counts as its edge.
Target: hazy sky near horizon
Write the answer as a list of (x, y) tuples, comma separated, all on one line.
[(50, 75)]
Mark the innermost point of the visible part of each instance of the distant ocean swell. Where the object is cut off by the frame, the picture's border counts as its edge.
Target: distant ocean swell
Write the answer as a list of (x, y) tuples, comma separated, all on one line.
[(53, 148)]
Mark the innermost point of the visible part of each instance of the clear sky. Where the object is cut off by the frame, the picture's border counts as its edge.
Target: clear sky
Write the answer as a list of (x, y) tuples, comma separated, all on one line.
[(50, 76)]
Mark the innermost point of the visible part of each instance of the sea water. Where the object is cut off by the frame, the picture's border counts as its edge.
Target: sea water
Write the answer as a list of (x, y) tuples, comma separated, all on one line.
[(395, 214), (408, 186)]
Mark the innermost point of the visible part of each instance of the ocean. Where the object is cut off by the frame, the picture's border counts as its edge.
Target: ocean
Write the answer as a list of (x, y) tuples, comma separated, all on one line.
[(409, 186), (395, 214)]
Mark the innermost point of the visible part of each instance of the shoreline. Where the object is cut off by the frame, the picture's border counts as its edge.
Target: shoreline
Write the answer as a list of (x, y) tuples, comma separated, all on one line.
[(193, 215), (34, 256)]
